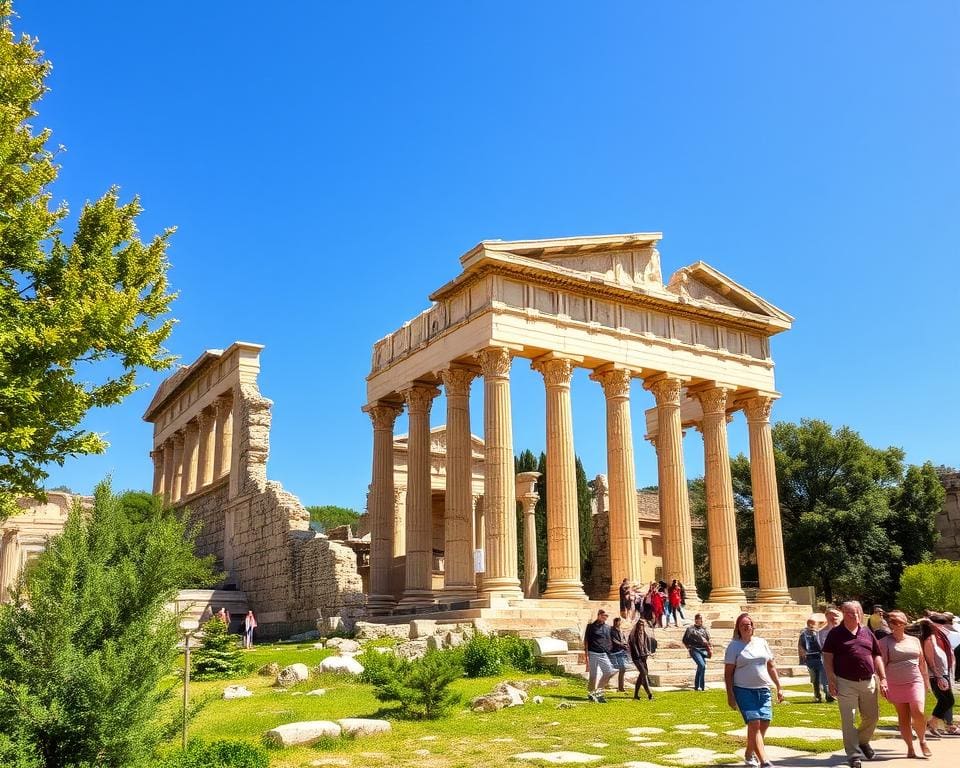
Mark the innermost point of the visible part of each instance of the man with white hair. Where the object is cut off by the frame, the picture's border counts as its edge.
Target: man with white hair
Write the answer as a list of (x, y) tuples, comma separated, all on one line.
[(851, 657)]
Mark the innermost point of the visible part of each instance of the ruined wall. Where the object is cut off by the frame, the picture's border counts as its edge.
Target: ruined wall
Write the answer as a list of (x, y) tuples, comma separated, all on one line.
[(206, 510), (948, 521)]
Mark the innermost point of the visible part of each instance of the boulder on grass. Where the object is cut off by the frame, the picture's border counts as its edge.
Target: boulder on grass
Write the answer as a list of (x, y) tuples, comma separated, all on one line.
[(343, 644), (305, 732), (341, 665), (236, 692), (359, 726), (295, 673), (269, 670), (501, 697)]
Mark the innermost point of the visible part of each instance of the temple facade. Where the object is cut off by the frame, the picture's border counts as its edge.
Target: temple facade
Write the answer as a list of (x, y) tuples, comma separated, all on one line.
[(699, 344)]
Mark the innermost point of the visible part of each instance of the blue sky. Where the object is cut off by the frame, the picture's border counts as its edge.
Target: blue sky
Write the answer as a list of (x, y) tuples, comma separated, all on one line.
[(327, 164)]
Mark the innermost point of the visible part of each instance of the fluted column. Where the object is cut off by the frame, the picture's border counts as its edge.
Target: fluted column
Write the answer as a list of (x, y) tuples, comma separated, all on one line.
[(626, 547), (563, 526), (528, 498), (190, 451), (176, 488), (398, 573), (223, 436), (206, 422), (381, 504), (721, 514), (168, 471), (458, 499), (674, 499), (419, 570), (9, 564), (157, 455), (500, 501), (479, 538), (771, 566)]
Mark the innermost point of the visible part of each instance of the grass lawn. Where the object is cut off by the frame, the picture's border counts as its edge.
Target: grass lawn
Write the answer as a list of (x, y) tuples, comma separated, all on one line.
[(488, 739)]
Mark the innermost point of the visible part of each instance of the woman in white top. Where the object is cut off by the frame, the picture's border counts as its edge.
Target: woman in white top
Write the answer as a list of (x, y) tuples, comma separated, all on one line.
[(748, 673)]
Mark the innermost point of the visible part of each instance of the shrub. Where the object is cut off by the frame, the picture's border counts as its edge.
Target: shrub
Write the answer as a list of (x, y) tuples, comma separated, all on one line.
[(422, 689), (520, 654), (380, 668), (218, 754), (219, 655), (488, 655), (930, 585)]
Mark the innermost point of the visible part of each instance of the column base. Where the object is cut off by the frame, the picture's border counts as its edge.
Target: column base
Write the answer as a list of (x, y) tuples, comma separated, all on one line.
[(417, 597), (380, 601), (774, 595), (565, 589), (727, 595), (502, 587), (457, 592)]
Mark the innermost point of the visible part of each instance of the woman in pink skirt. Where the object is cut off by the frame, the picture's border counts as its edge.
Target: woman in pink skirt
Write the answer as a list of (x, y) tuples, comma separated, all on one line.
[(906, 680)]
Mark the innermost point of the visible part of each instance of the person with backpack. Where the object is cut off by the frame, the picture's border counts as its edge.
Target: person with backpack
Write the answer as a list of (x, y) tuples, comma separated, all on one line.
[(811, 654), (641, 644)]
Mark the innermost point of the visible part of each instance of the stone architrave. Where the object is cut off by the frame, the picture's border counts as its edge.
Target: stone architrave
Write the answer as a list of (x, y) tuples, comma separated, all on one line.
[(528, 497), (771, 566), (176, 488), (626, 547), (500, 501), (721, 515), (458, 499), (223, 439), (563, 525), (206, 421), (674, 500), (419, 568), (383, 415), (190, 451)]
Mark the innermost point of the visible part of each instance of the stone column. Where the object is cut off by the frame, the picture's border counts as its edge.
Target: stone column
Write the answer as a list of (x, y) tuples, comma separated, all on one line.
[(223, 440), (176, 486), (381, 505), (458, 499), (206, 422), (157, 455), (563, 526), (500, 500), (398, 573), (9, 564), (419, 571), (190, 451), (626, 548), (528, 497), (479, 535), (674, 500), (771, 566), (721, 515)]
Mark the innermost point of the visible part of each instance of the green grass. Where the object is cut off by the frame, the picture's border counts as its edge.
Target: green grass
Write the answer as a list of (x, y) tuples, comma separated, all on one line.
[(468, 739)]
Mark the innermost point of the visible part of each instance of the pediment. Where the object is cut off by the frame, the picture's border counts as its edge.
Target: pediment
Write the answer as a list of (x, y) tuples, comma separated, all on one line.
[(707, 286)]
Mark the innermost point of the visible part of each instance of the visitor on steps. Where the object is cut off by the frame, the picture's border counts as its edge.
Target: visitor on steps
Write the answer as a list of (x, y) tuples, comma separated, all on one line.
[(810, 653), (597, 644), (696, 639), (675, 600), (618, 654), (626, 602), (642, 644)]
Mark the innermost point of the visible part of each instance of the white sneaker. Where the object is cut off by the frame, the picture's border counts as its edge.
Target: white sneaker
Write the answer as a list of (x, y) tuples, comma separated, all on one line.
[(752, 761)]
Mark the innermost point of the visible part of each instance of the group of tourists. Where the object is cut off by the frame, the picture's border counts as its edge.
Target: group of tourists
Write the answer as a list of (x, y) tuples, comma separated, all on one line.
[(249, 624), (656, 604), (608, 647)]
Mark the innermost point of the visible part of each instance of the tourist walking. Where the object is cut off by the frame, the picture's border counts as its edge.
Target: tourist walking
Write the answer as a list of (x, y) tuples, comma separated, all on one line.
[(642, 644), (656, 603), (906, 680), (696, 639), (249, 624), (748, 673), (851, 657), (597, 644), (675, 599), (626, 603), (224, 615), (877, 624), (808, 646), (937, 653), (618, 654)]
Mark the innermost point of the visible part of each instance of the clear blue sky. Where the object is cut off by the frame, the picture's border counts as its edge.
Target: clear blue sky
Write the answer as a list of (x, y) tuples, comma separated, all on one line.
[(327, 163)]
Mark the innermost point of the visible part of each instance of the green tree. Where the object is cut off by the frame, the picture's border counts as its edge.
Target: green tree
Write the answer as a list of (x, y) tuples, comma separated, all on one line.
[(933, 585), (64, 303), (86, 640), (219, 654), (701, 549), (422, 688), (841, 503), (324, 518)]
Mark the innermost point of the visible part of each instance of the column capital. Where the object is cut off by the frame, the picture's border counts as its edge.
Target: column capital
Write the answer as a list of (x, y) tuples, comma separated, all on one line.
[(665, 387), (224, 401), (419, 397), (178, 438), (205, 418), (383, 414), (157, 453), (614, 379), (714, 400), (556, 371), (757, 408), (456, 380), (495, 362)]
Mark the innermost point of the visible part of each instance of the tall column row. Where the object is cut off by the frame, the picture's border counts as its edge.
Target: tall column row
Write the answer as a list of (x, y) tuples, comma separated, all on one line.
[(196, 455)]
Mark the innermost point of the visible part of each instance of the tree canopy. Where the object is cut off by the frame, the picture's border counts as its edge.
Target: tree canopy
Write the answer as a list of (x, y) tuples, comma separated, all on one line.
[(324, 518), (853, 515), (66, 304)]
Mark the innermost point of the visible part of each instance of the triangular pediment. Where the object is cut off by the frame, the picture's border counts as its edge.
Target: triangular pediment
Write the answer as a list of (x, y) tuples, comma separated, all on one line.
[(705, 285)]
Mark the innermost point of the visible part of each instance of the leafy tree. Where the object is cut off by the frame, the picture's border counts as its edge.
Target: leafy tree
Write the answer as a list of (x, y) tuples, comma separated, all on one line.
[(585, 518), (86, 640), (422, 689), (326, 517), (64, 303), (219, 655), (930, 585), (848, 510), (696, 490)]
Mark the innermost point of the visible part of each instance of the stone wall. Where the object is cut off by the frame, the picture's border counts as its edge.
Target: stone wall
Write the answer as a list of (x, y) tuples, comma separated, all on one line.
[(206, 510), (948, 521)]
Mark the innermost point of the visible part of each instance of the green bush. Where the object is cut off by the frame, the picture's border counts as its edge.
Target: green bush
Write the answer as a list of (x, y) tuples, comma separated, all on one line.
[(16, 753), (219, 654), (930, 585), (488, 655), (218, 754), (422, 689), (379, 667), (520, 654)]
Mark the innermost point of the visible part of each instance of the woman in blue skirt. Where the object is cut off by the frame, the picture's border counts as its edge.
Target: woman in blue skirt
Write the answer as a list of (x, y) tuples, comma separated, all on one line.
[(748, 673)]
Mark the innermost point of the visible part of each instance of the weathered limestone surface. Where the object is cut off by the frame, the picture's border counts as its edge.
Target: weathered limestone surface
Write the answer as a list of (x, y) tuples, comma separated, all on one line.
[(948, 521)]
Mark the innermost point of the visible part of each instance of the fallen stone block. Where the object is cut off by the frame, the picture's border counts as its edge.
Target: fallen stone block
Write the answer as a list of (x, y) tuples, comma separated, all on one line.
[(295, 673), (359, 726), (365, 630), (343, 644), (305, 732), (550, 646), (236, 692), (341, 665), (420, 628), (269, 670)]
